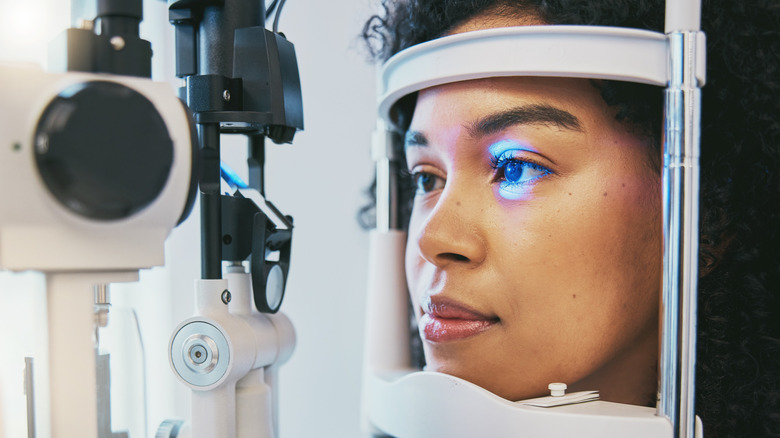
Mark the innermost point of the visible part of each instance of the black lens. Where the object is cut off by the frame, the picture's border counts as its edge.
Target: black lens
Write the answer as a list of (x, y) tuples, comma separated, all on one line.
[(103, 150)]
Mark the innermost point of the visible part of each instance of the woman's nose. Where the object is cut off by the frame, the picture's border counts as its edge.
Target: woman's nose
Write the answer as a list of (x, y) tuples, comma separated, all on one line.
[(450, 234)]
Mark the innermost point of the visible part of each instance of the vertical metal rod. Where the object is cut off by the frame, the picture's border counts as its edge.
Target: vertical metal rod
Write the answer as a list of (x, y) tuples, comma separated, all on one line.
[(210, 203), (681, 236), (386, 183), (29, 391), (256, 162), (72, 370), (383, 178)]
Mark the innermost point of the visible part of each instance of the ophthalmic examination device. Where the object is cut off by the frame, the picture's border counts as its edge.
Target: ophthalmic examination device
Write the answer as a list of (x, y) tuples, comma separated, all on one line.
[(110, 162)]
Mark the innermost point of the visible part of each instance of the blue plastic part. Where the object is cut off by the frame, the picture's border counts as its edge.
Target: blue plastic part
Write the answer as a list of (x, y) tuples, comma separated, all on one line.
[(231, 177)]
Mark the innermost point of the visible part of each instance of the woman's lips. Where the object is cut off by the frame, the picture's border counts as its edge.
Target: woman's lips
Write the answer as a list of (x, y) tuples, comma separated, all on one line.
[(445, 321)]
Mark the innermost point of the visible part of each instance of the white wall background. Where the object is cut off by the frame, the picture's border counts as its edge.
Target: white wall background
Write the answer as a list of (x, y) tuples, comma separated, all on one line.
[(320, 179)]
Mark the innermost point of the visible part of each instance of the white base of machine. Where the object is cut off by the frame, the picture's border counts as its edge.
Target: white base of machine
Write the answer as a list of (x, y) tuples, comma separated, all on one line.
[(428, 404)]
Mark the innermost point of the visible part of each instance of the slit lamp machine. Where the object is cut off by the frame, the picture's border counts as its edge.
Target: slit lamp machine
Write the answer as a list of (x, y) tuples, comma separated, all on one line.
[(96, 205)]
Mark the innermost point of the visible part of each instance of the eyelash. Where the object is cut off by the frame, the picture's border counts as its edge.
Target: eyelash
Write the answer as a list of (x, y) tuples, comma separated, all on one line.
[(516, 189), (415, 178), (500, 163), (508, 189)]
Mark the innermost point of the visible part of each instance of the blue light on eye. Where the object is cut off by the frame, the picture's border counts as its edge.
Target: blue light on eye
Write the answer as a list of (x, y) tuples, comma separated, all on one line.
[(513, 171), (519, 177), (515, 176), (500, 147)]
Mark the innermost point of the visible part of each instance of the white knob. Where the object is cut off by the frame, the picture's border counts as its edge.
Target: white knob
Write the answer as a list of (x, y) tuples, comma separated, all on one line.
[(557, 389)]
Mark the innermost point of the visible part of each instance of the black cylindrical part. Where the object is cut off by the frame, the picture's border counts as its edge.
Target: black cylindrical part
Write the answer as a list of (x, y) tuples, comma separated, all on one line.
[(211, 236), (256, 162), (120, 17), (125, 8), (122, 26), (215, 39), (210, 203)]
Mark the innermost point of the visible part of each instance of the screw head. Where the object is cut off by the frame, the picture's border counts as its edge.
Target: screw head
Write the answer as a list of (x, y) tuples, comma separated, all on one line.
[(117, 42), (226, 296), (226, 95), (198, 354)]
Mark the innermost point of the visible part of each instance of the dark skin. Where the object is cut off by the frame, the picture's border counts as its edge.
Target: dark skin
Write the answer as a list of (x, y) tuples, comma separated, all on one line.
[(575, 301)]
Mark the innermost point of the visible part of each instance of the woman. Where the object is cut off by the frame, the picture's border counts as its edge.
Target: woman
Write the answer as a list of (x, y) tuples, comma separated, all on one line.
[(534, 248)]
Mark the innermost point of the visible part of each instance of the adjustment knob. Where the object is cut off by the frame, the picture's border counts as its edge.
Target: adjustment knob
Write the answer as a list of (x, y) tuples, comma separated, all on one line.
[(200, 354)]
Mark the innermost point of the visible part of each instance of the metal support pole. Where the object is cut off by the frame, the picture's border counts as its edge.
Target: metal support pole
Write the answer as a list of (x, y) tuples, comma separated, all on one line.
[(210, 203), (72, 370), (256, 162), (386, 183), (681, 236)]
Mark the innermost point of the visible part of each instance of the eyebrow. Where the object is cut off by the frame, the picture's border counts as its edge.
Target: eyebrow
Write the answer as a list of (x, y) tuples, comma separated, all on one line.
[(414, 138), (534, 114)]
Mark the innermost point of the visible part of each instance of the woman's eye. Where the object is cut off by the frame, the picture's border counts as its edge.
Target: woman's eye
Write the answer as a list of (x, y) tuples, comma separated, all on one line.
[(516, 176), (427, 182)]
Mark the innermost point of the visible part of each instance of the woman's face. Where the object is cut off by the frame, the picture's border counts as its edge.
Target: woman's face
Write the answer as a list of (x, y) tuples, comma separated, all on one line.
[(534, 251)]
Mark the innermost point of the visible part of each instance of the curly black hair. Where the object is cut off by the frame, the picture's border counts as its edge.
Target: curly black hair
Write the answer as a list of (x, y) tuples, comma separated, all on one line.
[(738, 357)]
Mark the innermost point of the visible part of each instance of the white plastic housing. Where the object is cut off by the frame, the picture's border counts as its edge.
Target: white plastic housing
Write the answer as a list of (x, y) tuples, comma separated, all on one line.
[(72, 373), (427, 404), (387, 315), (238, 400), (39, 233), (554, 51)]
